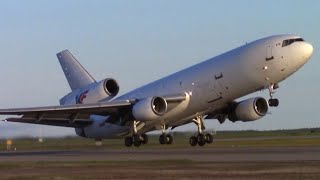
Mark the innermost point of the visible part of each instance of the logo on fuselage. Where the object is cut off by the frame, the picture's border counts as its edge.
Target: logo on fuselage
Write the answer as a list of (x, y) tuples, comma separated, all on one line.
[(81, 97)]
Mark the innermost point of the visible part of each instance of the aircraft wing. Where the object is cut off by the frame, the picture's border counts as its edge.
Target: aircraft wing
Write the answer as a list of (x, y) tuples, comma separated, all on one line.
[(66, 115), (74, 115)]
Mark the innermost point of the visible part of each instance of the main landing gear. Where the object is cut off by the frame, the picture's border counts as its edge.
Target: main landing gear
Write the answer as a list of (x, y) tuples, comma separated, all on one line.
[(136, 139), (201, 139), (273, 102), (165, 138)]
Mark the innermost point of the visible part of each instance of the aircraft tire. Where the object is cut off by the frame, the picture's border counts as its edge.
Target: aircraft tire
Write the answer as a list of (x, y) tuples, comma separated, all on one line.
[(169, 139), (193, 141), (136, 140), (209, 138), (162, 139), (128, 141), (145, 139), (201, 139), (274, 102)]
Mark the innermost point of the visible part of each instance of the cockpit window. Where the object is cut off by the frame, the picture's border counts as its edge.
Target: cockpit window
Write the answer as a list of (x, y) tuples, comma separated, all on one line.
[(290, 41)]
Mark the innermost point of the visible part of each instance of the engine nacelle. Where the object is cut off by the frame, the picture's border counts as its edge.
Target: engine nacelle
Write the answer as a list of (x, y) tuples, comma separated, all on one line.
[(102, 90), (149, 109), (249, 110)]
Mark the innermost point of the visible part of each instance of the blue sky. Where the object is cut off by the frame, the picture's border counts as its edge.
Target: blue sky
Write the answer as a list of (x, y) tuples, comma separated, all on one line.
[(136, 42)]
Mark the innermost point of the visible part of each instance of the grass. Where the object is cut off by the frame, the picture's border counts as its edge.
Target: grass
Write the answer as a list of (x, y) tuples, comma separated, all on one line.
[(272, 133), (297, 137), (180, 141)]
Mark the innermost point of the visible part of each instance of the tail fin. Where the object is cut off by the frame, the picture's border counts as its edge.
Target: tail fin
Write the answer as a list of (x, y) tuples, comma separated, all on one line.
[(76, 75)]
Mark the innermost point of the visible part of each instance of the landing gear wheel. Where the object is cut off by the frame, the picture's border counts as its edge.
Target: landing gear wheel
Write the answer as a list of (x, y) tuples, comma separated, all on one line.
[(136, 140), (193, 141), (145, 139), (137, 143), (209, 138), (201, 139), (169, 139), (162, 139), (273, 102), (128, 141)]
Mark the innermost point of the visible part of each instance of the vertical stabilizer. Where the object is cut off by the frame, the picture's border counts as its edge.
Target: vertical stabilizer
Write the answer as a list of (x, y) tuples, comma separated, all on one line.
[(76, 75)]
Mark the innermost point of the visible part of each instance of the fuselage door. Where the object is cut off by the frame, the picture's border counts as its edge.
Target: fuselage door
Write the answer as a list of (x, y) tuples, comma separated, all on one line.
[(216, 90), (269, 52)]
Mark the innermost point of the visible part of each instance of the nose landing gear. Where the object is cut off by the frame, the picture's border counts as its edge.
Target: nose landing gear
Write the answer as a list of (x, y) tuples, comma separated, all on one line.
[(273, 102)]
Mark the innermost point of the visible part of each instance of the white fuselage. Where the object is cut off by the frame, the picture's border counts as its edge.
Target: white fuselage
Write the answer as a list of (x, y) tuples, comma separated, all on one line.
[(214, 83)]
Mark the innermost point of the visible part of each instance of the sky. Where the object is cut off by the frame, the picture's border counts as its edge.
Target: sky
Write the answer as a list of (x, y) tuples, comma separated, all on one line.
[(137, 42)]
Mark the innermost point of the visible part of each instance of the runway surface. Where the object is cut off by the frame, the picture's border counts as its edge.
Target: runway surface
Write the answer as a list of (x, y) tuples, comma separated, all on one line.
[(201, 154)]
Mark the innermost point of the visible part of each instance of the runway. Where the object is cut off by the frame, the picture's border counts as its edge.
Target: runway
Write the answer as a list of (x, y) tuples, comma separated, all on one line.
[(198, 154)]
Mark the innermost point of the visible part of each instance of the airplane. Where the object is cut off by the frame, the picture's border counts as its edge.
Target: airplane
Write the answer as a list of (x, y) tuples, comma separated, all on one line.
[(208, 90)]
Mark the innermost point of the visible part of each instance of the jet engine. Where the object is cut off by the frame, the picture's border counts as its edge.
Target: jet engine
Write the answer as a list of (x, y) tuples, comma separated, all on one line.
[(107, 88), (95, 92), (149, 109), (249, 110)]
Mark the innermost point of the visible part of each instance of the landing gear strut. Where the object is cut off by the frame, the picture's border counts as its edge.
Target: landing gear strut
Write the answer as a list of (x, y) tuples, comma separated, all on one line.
[(165, 138), (136, 139), (273, 102), (201, 139)]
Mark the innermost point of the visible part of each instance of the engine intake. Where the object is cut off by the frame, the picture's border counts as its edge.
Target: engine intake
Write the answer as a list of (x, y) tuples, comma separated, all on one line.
[(249, 110), (149, 109), (159, 105)]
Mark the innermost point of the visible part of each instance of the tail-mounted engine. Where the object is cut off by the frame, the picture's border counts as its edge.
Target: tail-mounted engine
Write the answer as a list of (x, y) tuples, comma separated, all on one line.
[(95, 92), (149, 109), (103, 90), (249, 110)]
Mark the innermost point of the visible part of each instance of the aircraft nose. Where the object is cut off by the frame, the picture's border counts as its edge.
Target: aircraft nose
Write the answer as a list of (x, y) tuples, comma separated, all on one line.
[(308, 50)]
